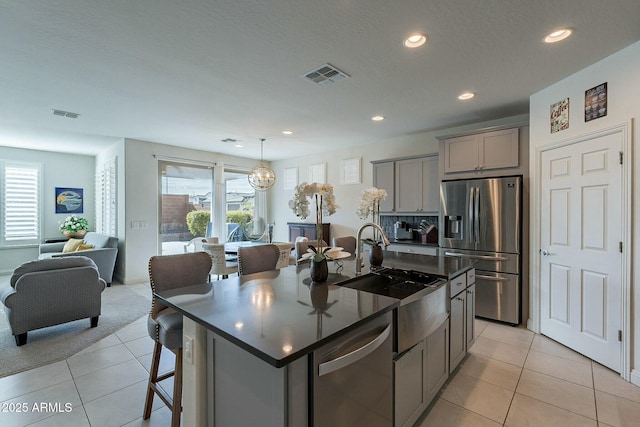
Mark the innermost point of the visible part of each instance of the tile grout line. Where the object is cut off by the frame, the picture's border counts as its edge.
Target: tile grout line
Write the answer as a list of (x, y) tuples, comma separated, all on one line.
[(504, 424)]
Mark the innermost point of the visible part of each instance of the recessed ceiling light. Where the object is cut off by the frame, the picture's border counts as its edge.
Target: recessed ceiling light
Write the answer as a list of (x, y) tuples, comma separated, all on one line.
[(466, 95), (287, 132), (238, 145), (377, 118), (415, 40), (558, 35)]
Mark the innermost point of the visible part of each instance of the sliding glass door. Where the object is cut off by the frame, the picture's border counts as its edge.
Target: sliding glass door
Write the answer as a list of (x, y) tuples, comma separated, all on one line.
[(186, 204), (244, 208)]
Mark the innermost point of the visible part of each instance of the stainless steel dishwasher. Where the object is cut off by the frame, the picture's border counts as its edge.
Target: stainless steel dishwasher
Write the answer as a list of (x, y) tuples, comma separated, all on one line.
[(353, 378)]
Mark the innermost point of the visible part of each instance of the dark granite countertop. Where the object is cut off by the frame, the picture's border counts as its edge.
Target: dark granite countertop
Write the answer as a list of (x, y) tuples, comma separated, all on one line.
[(280, 316), (443, 266)]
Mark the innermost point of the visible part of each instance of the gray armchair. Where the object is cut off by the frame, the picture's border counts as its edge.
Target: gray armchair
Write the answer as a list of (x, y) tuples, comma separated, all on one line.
[(104, 253), (50, 292)]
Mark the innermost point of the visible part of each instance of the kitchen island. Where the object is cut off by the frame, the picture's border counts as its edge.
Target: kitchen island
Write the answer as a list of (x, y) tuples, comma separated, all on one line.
[(247, 340)]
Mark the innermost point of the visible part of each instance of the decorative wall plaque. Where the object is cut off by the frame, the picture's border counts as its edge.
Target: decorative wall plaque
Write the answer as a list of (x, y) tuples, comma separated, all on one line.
[(595, 102), (560, 116)]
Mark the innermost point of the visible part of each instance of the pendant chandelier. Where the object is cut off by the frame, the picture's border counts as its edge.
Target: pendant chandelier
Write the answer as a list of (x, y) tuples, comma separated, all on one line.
[(262, 177)]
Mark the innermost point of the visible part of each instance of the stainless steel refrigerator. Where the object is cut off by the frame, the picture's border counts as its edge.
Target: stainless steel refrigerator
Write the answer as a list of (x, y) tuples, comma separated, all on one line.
[(481, 219)]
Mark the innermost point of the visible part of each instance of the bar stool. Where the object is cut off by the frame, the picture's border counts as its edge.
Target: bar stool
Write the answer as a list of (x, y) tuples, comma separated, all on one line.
[(165, 324)]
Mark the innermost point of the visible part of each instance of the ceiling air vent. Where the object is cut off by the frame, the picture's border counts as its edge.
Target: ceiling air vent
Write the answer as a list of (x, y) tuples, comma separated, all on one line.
[(325, 75), (65, 114)]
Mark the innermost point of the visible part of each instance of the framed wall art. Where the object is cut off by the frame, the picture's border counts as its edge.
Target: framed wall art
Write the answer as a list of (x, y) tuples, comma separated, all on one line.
[(290, 178), (69, 200), (350, 171), (318, 173), (595, 102), (560, 116)]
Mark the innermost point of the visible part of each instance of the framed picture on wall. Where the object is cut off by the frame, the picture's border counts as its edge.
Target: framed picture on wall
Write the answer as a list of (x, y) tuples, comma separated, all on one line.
[(350, 171), (290, 178), (69, 200), (595, 102)]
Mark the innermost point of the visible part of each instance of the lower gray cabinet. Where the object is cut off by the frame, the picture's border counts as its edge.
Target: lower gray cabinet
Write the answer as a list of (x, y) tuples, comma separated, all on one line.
[(471, 315), (458, 342), (410, 377), (437, 360), (420, 373)]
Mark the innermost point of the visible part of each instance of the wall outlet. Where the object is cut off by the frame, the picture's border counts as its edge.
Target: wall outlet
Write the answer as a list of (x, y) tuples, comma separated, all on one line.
[(188, 349)]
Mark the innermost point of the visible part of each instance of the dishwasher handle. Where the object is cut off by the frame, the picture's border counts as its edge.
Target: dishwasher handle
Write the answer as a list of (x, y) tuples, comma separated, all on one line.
[(357, 354)]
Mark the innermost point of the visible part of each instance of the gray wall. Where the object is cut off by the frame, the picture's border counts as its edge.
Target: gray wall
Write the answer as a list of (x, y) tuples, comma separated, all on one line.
[(59, 170)]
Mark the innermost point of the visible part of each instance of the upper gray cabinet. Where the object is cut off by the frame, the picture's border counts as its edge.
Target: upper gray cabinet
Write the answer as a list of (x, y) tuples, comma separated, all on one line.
[(417, 185), (412, 184), (481, 152), (383, 177)]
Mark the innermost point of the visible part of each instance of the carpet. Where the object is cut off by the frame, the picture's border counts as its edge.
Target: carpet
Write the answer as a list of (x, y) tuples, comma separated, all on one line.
[(120, 306)]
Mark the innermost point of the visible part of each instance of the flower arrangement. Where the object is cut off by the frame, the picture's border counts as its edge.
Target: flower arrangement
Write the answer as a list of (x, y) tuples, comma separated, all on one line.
[(74, 223), (369, 204), (325, 205)]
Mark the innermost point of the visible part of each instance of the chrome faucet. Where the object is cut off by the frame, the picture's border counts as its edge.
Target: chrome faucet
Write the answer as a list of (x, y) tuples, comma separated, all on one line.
[(385, 240)]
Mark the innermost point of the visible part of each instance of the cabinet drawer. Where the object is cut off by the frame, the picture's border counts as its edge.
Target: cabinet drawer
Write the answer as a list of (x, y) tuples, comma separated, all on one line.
[(458, 284), (413, 249), (471, 277)]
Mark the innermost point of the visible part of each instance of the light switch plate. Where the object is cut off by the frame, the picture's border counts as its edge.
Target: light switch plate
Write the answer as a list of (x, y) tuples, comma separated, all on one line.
[(188, 349)]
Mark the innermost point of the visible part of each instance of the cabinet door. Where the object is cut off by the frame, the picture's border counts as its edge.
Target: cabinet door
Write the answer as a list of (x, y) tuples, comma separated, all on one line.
[(498, 149), (384, 177), (457, 339), (408, 185), (409, 386), (437, 360), (461, 154), (430, 185), (471, 316)]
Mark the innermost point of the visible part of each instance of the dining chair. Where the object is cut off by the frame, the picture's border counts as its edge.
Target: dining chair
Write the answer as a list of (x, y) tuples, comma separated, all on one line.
[(194, 245), (347, 243), (302, 248), (252, 259), (220, 265), (285, 251), (164, 324)]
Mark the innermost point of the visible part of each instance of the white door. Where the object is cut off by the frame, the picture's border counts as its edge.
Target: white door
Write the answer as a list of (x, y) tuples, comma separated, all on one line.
[(581, 233)]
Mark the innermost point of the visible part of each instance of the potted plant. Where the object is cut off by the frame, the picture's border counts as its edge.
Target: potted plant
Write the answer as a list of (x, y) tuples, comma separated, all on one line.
[(74, 226), (325, 203), (369, 204)]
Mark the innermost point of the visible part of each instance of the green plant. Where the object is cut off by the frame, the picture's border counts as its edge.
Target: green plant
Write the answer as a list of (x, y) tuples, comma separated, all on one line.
[(239, 217), (197, 222), (74, 223)]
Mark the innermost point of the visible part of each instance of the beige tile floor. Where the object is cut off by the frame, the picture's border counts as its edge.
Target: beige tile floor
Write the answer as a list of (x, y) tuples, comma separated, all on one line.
[(511, 377)]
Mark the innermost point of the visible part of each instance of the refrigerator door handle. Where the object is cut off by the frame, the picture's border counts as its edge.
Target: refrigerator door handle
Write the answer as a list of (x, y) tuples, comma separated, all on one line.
[(476, 215), (482, 257), (472, 220)]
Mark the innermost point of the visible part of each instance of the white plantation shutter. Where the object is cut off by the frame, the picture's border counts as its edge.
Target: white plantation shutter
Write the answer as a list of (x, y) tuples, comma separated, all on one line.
[(21, 203), (106, 199)]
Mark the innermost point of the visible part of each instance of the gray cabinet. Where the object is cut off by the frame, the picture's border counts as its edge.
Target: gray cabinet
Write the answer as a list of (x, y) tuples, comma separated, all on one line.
[(481, 152), (457, 340), (410, 380), (419, 375), (417, 186), (437, 361), (384, 177), (463, 314), (412, 184)]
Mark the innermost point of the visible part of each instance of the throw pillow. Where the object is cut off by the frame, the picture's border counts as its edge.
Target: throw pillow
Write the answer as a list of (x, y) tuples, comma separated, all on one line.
[(84, 247), (72, 245)]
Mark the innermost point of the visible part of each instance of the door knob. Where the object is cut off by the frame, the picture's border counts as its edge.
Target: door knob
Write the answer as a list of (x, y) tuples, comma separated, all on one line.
[(544, 252)]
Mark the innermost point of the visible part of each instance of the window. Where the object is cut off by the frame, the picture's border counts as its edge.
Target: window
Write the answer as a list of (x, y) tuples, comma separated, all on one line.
[(106, 199), (20, 201)]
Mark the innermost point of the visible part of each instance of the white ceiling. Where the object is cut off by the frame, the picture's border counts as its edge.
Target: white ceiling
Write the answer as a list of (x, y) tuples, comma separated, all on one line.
[(193, 73)]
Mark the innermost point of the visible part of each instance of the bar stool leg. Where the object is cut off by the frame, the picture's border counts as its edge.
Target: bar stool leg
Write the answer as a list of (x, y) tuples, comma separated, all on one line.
[(153, 375), (176, 410)]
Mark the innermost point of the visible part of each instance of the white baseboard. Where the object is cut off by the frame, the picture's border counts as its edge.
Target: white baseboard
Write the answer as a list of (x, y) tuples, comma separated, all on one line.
[(635, 377)]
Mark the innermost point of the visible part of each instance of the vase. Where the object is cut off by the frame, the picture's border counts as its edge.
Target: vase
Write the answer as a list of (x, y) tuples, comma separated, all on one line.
[(319, 270), (74, 234), (376, 256)]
